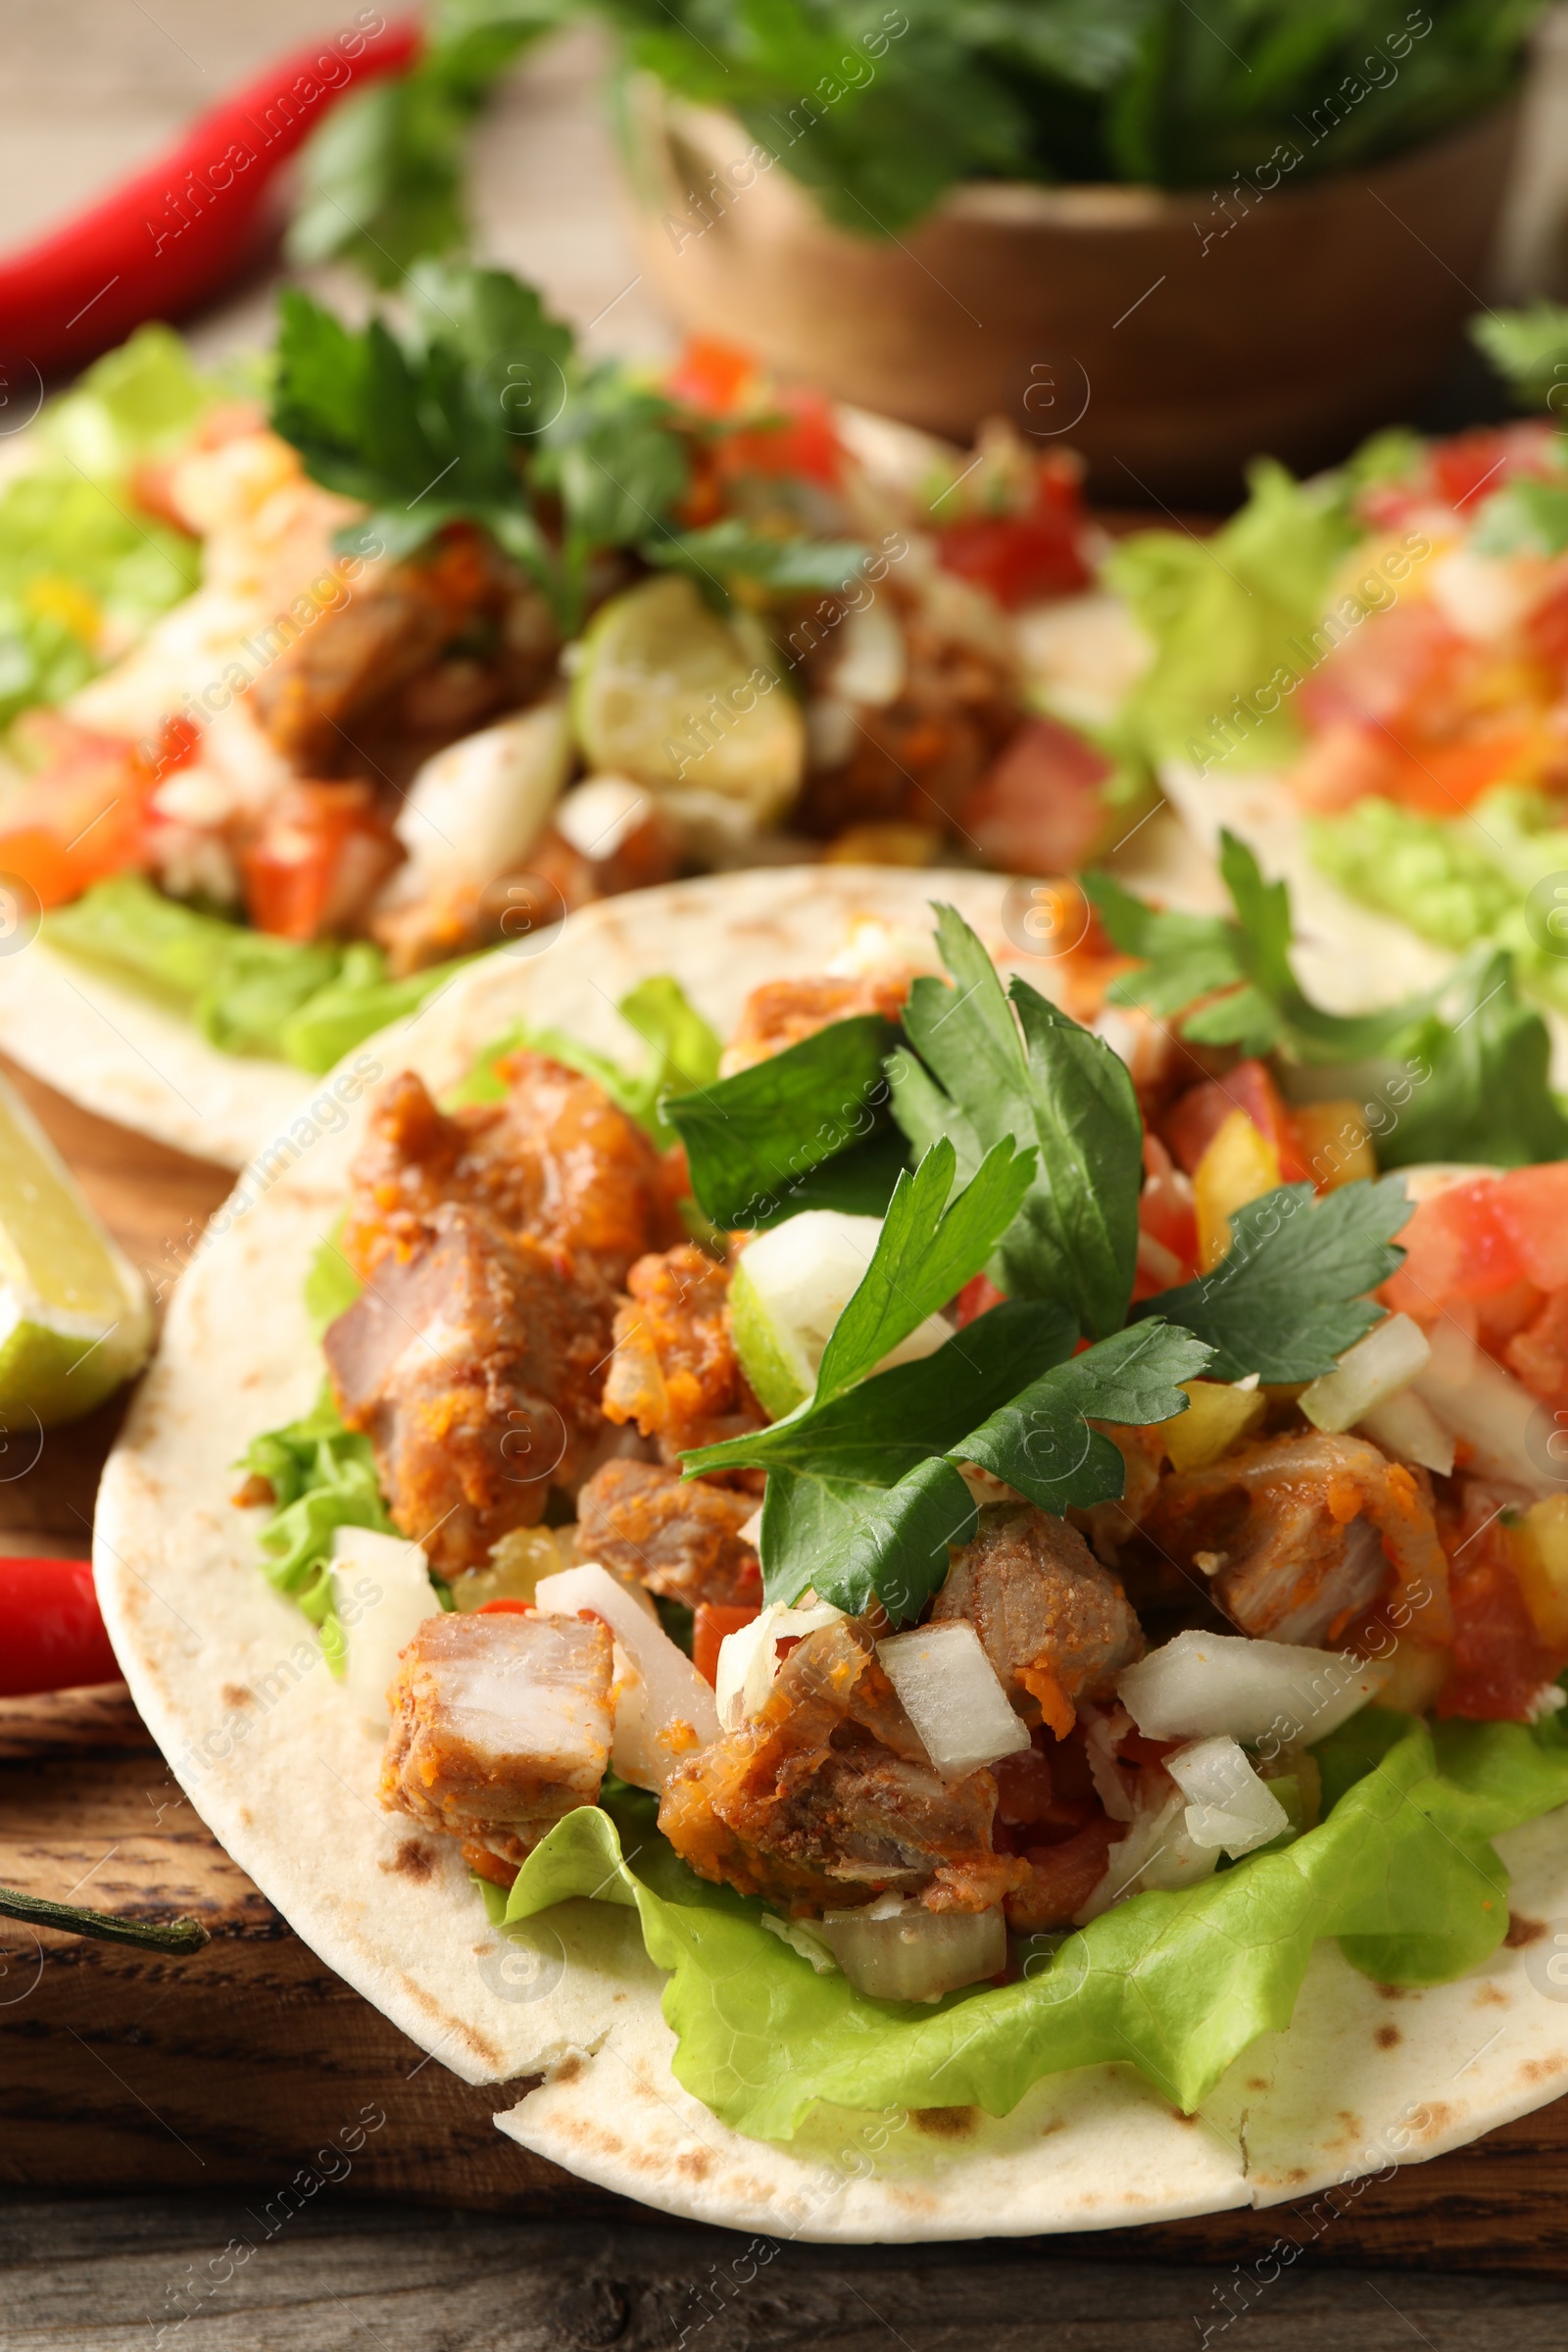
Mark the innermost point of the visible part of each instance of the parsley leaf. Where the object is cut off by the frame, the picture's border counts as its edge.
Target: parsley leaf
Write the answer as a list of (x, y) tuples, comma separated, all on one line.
[(785, 567), (750, 1137), (989, 1067), (1041, 1442), (1288, 1295), (926, 1251), (1233, 976)]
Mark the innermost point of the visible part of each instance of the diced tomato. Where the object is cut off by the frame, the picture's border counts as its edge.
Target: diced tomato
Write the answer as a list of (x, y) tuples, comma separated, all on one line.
[(1457, 1245), (1022, 557), (82, 813), (320, 855), (800, 442), (1536, 1352), (1474, 466), (1191, 1125), (505, 1608), (1530, 1205), (1500, 1660), (711, 1623), (1382, 667), (978, 1297), (1040, 810), (712, 376), (1165, 1209)]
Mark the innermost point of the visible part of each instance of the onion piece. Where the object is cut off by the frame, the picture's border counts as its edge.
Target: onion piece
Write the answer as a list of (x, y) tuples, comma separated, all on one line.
[(1201, 1685), (1475, 1400), (952, 1695), (1408, 1428), (664, 1708), (748, 1659), (1367, 1375), (871, 667), (382, 1594), (1158, 1851), (898, 1951), (1228, 1807)]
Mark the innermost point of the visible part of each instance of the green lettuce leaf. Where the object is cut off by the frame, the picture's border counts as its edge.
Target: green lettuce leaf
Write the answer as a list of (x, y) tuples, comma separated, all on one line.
[(246, 991), (1401, 1871), (1225, 615), (322, 1477), (1486, 1095)]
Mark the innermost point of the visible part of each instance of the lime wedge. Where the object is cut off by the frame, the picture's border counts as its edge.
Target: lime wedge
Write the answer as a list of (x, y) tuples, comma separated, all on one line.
[(668, 692), (789, 1288), (74, 1316)]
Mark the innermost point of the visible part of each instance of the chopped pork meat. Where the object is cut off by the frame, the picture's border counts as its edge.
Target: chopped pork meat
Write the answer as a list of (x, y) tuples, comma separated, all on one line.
[(781, 1013), (1110, 1526), (675, 1372), (429, 646), (680, 1537), (1055, 1625), (554, 1159), (500, 1726), (472, 1365), (828, 1796), (1301, 1535)]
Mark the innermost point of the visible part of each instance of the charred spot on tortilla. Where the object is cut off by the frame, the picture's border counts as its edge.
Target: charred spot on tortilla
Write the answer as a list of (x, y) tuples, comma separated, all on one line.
[(1522, 1932), (412, 1860), (946, 2123), (1388, 2037), (237, 1694)]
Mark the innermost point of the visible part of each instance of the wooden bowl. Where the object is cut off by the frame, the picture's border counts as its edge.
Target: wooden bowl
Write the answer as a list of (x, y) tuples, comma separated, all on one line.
[(1167, 337)]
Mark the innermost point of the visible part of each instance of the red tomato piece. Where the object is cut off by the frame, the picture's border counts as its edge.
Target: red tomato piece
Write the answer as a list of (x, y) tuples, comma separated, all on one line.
[(1022, 557), (1040, 809), (1499, 1661), (320, 855), (1456, 1246), (81, 816), (1537, 1355), (1382, 667), (712, 376), (978, 1297), (1195, 1121), (1530, 1205), (1476, 465), (505, 1608), (712, 1622), (800, 443)]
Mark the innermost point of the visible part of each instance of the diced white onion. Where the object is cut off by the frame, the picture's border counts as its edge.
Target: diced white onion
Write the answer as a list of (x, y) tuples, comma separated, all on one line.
[(1228, 1807), (899, 1951), (659, 1689), (748, 1659), (803, 1936), (1409, 1430), (476, 807), (1158, 1851), (596, 817), (1475, 1400), (871, 667), (1368, 1374), (382, 1594), (952, 1695), (1204, 1683), (1102, 1735)]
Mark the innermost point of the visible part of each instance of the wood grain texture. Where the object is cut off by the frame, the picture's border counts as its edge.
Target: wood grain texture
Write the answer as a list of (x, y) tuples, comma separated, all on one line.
[(336, 2279)]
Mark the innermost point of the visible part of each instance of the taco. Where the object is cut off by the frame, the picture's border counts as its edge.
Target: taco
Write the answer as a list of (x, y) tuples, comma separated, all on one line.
[(320, 682), (915, 1670)]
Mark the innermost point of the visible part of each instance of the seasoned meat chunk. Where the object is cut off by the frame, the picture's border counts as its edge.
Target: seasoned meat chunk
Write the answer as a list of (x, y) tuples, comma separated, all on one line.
[(1055, 1625), (471, 1365), (410, 634), (556, 1159), (827, 1798), (781, 1013), (1301, 1535), (1110, 1526), (674, 1371), (681, 1537), (500, 1726)]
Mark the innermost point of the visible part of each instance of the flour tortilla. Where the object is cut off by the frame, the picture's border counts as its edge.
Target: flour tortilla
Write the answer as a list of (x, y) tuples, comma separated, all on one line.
[(226, 1675)]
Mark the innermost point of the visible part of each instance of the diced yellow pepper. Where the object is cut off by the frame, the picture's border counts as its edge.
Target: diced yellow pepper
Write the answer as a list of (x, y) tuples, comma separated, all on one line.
[(1238, 1164), (1214, 1420), (1540, 1548), (1336, 1142), (517, 1563)]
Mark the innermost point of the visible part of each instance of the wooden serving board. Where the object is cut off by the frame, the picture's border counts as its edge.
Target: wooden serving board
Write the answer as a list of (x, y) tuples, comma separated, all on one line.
[(121, 2070)]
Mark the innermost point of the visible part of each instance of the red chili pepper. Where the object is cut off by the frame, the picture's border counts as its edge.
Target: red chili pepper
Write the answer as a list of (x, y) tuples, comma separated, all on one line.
[(162, 243), (52, 1636)]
